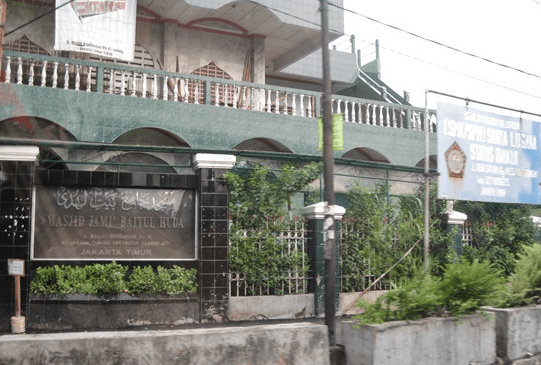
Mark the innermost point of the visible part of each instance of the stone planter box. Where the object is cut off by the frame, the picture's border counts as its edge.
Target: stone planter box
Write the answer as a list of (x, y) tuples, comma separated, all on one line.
[(427, 341), (518, 332), (88, 312)]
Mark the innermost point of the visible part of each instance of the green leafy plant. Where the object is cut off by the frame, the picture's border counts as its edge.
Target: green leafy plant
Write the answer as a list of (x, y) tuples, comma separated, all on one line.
[(376, 234), (466, 287), (415, 298), (500, 232), (463, 289), (111, 278), (524, 286), (258, 200)]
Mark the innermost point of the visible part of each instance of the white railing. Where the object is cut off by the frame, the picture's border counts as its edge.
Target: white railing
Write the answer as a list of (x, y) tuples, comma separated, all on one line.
[(85, 76)]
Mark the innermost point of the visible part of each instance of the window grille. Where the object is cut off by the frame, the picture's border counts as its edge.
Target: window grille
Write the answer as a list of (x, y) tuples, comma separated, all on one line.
[(25, 45), (225, 91)]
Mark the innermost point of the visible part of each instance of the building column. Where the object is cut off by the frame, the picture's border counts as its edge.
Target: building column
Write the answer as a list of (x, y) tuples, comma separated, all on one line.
[(315, 214), (213, 231), (17, 170), (455, 220)]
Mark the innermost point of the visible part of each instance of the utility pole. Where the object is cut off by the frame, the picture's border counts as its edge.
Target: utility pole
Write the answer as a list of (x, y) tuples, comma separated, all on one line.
[(328, 178)]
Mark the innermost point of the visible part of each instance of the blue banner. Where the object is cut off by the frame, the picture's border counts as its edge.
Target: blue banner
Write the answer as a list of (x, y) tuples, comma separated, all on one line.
[(487, 157)]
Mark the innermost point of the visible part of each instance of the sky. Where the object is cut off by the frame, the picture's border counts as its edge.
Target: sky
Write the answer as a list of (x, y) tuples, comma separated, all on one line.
[(503, 31)]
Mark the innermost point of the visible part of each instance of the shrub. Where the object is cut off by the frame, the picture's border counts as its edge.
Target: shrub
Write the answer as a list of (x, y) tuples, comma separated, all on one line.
[(463, 289), (466, 287), (111, 279), (524, 286)]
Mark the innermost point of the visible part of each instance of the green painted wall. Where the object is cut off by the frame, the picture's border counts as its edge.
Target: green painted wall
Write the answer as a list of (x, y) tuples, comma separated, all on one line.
[(95, 117)]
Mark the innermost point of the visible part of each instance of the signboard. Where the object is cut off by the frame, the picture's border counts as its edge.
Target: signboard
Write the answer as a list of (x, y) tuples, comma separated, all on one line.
[(487, 157), (102, 27), (337, 132), (15, 267), (94, 223)]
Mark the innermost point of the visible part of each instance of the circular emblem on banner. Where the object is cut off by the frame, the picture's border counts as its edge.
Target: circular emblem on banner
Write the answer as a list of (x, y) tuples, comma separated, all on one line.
[(456, 161)]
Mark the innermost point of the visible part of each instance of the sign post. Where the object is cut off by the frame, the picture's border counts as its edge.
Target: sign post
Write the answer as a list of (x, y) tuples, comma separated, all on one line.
[(16, 269)]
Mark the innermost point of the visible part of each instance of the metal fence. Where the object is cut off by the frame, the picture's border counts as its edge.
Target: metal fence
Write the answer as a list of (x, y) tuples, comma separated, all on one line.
[(294, 282), (293, 239)]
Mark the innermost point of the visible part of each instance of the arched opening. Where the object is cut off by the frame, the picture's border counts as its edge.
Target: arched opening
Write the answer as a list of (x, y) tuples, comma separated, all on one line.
[(262, 144), (49, 160), (34, 128), (365, 154), (136, 162), (432, 162), (150, 137)]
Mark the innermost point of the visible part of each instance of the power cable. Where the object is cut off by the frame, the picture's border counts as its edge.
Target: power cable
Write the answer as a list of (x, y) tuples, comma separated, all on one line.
[(461, 73), (37, 18), (436, 42)]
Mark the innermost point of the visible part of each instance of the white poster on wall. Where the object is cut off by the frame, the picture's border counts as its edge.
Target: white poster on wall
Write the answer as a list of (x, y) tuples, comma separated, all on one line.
[(101, 27)]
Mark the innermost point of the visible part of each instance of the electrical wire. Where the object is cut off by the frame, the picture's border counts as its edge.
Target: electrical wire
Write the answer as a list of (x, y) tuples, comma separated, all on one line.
[(461, 73), (37, 18), (436, 42)]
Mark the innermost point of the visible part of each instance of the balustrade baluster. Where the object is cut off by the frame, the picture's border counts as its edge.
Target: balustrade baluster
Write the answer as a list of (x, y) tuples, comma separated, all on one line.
[(286, 111), (252, 98), (366, 113), (77, 78), (134, 84), (277, 102), (165, 87), (294, 103), (346, 112), (122, 80), (235, 96), (19, 71), (175, 89), (243, 97), (111, 82), (186, 95), (301, 104), (196, 92), (89, 79), (31, 74), (395, 121), (155, 87), (355, 116), (8, 70), (55, 75), (381, 120), (144, 80), (261, 99), (387, 118), (309, 107), (66, 76), (44, 74), (268, 101), (373, 114), (226, 95), (216, 94)]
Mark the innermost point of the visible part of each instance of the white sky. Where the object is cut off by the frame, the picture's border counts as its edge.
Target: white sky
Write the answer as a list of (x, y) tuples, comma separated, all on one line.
[(503, 31)]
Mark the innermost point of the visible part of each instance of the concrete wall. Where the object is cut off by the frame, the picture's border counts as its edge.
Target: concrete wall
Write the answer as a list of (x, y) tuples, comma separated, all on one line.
[(292, 344), (518, 332), (429, 341), (289, 306)]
